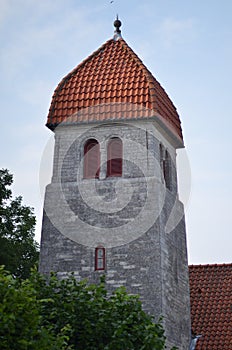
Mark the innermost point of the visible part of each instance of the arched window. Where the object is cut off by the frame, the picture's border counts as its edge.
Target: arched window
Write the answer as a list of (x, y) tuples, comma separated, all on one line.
[(100, 258), (114, 157), (91, 159)]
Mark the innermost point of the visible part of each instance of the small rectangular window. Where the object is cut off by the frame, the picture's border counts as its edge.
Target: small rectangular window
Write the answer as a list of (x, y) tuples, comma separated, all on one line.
[(100, 258)]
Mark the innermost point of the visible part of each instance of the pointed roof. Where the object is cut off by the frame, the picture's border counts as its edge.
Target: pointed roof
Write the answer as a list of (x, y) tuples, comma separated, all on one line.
[(211, 305), (112, 75)]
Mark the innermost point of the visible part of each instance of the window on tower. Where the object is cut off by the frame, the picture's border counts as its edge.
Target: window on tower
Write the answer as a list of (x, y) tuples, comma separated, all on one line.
[(91, 159), (114, 157), (167, 170), (165, 164), (100, 258), (161, 155)]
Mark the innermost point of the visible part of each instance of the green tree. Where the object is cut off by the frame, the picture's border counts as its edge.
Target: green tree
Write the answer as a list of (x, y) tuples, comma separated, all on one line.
[(18, 250), (20, 318), (65, 314), (97, 320)]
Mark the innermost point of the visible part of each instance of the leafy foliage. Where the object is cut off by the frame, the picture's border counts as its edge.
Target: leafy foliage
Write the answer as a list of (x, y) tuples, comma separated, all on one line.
[(68, 315), (18, 249), (20, 318)]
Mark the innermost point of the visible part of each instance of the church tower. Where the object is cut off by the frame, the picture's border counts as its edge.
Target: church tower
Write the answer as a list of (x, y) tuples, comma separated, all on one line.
[(112, 205)]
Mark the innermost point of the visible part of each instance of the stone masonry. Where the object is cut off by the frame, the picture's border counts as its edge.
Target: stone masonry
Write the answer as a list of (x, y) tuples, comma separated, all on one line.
[(135, 217)]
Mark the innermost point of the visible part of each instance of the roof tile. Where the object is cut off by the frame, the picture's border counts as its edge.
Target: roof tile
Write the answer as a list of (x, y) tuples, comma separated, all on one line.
[(211, 305), (112, 74)]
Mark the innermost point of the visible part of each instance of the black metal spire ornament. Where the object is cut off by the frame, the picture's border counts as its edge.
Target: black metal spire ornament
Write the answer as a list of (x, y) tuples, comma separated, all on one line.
[(117, 32)]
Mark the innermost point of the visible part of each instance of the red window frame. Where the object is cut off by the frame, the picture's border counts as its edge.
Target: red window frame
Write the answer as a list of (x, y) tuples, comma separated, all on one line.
[(100, 258), (91, 159), (114, 157)]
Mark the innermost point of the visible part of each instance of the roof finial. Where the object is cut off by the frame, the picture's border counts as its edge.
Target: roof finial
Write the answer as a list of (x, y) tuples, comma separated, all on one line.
[(117, 32)]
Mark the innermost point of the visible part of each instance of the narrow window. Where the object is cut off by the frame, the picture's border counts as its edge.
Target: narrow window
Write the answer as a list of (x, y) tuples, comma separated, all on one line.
[(114, 157), (167, 170), (161, 159), (165, 165), (91, 159), (100, 258)]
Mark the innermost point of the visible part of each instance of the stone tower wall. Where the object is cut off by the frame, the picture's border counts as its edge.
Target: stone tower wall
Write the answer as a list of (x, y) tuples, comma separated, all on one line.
[(135, 217)]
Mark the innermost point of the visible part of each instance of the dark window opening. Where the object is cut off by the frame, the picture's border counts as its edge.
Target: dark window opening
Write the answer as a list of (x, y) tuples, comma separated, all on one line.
[(161, 158), (114, 157), (167, 170), (165, 165), (100, 258), (91, 159)]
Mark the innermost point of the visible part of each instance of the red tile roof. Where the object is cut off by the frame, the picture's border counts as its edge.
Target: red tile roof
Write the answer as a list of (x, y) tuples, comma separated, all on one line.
[(211, 305), (117, 80)]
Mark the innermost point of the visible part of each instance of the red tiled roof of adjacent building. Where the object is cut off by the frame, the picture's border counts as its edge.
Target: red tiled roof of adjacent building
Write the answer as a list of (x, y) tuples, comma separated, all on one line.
[(211, 305), (112, 75)]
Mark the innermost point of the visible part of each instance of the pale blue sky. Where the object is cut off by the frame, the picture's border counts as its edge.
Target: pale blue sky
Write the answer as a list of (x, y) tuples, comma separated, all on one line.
[(187, 45)]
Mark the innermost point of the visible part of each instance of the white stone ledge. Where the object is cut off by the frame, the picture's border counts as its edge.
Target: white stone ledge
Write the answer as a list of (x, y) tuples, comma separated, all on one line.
[(85, 268), (129, 267), (136, 284)]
